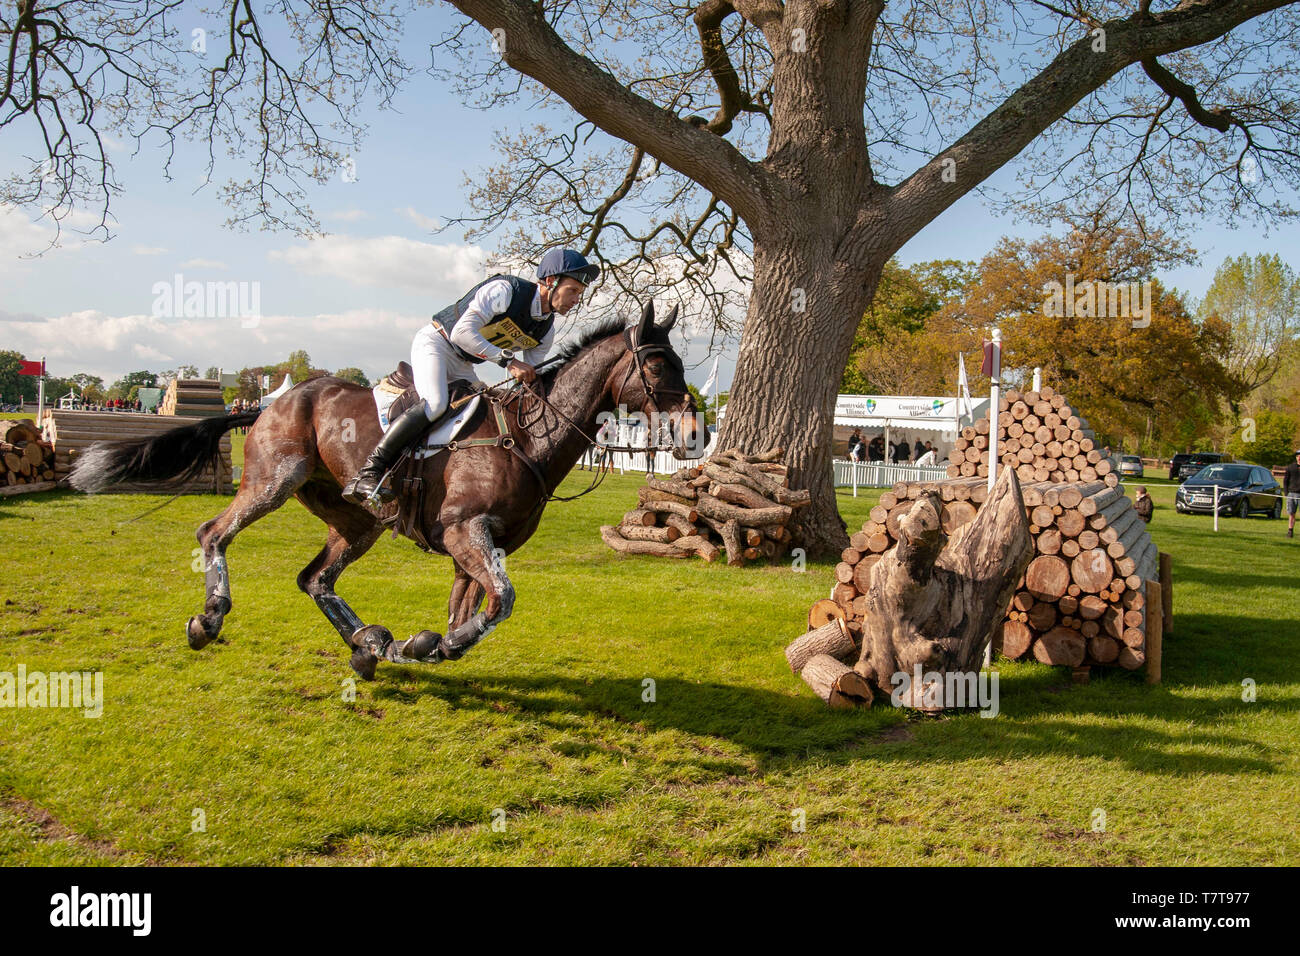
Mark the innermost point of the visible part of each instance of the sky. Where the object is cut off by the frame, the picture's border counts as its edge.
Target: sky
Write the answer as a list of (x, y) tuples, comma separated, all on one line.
[(356, 296)]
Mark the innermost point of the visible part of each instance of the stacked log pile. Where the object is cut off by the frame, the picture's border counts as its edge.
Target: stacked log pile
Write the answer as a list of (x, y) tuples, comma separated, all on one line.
[(734, 504), (72, 433), (193, 397), (26, 459), (1040, 436), (1081, 601)]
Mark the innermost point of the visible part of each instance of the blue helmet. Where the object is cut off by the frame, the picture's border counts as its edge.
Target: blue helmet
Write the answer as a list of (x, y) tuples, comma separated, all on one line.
[(567, 262)]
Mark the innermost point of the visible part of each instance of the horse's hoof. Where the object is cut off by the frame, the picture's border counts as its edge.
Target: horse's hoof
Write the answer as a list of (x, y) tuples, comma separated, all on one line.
[(423, 647), (364, 663), (196, 634), (445, 652)]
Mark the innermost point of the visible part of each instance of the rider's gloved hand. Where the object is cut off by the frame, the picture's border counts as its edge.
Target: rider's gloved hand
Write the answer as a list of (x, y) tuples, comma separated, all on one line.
[(522, 372)]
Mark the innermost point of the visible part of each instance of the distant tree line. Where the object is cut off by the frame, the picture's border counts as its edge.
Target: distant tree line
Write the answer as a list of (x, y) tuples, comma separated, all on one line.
[(1222, 373), (15, 387)]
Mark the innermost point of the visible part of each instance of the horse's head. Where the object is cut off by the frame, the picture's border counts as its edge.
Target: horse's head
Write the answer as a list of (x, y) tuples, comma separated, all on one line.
[(649, 378)]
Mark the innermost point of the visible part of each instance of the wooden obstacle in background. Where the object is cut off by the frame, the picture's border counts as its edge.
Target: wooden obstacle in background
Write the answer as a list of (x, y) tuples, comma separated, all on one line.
[(72, 433), (1083, 599), (26, 460), (194, 398)]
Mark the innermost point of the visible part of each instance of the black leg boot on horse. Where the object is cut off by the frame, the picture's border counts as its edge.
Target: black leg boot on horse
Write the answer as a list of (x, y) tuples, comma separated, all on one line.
[(368, 484)]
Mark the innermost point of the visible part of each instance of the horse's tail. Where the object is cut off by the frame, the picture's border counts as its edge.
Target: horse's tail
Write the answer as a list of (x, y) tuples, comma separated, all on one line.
[(178, 453)]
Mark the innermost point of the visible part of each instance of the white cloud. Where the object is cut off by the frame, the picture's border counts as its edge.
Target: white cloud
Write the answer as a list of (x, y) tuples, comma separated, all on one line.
[(21, 238), (424, 222), (203, 264), (442, 271), (110, 345), (150, 354), (138, 250)]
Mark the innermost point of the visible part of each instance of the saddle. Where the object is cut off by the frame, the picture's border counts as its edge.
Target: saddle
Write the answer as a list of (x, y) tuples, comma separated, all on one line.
[(403, 379), (419, 467)]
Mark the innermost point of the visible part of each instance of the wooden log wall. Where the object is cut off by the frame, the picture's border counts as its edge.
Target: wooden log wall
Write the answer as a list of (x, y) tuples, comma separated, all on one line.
[(1040, 436), (26, 459), (71, 433), (194, 398)]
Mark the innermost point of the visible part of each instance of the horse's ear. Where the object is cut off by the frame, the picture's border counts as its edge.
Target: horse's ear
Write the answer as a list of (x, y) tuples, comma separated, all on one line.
[(647, 320), (669, 322)]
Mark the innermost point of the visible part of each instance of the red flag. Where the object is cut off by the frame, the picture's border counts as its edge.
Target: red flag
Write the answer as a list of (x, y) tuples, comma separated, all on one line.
[(986, 368), (32, 368)]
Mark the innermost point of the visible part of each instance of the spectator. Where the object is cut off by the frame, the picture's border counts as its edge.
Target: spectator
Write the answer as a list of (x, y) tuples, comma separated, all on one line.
[(1291, 488), (917, 451), (900, 452), (876, 450), (857, 446), (1143, 504), (927, 457)]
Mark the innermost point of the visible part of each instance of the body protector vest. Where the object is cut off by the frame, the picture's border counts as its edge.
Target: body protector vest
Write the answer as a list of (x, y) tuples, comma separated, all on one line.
[(515, 328)]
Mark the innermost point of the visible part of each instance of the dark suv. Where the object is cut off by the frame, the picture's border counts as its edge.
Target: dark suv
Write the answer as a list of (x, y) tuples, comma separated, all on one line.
[(1186, 465)]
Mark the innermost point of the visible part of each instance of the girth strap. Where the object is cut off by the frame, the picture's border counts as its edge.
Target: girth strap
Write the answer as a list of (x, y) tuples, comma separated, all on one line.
[(503, 439)]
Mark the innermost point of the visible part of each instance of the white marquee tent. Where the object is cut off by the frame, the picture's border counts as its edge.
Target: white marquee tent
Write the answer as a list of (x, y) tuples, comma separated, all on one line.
[(930, 418)]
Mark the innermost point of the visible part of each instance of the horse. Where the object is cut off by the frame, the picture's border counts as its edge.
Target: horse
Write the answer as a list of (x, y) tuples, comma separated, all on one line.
[(488, 499)]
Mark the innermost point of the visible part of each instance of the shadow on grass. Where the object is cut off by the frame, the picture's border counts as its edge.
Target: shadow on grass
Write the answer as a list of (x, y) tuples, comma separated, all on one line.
[(1042, 715)]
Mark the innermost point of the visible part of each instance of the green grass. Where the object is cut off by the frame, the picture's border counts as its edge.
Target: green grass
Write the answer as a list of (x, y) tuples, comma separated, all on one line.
[(545, 720)]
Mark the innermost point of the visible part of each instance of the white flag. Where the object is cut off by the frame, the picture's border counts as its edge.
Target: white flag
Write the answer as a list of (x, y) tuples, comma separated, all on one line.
[(965, 406), (712, 380)]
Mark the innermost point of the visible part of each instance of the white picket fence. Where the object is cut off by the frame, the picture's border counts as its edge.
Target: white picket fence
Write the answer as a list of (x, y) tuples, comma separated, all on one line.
[(634, 463), (848, 474), (879, 474)]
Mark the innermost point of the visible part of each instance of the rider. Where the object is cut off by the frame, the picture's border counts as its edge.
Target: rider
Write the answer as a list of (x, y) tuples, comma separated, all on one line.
[(503, 319)]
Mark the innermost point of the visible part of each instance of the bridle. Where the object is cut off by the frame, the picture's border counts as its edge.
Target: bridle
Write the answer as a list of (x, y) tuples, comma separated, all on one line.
[(649, 348), (516, 390)]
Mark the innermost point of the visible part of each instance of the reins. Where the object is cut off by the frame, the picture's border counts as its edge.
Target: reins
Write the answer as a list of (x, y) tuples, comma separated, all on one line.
[(514, 393)]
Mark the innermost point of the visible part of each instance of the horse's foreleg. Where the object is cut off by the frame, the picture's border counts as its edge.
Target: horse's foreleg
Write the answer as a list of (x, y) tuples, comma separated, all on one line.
[(470, 544)]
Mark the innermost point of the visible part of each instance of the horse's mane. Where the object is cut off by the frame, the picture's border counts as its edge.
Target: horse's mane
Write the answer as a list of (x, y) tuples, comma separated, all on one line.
[(569, 350)]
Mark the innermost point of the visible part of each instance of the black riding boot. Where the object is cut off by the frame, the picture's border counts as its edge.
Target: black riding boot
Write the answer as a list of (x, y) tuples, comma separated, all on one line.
[(408, 427)]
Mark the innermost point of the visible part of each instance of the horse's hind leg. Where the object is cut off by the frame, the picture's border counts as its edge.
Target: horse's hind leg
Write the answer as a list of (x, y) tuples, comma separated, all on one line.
[(255, 499), (352, 532)]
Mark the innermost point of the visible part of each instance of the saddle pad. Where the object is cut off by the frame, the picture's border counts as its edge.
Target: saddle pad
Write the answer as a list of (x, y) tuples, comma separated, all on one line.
[(445, 432)]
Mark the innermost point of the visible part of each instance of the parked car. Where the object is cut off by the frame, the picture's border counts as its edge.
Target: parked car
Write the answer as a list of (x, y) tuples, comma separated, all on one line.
[(1243, 490), (1130, 465), (1185, 465)]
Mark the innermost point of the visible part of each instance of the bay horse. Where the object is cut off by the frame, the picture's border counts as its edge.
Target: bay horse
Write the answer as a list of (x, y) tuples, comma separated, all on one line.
[(314, 438)]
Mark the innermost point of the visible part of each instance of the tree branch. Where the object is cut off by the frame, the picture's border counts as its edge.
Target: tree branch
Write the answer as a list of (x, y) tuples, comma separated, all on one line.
[(1072, 75), (532, 47), (1222, 119)]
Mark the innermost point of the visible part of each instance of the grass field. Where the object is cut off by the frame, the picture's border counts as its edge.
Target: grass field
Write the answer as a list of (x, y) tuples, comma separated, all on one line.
[(248, 752)]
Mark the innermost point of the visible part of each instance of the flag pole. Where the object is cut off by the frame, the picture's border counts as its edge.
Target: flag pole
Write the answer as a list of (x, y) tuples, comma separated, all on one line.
[(994, 398), (995, 385)]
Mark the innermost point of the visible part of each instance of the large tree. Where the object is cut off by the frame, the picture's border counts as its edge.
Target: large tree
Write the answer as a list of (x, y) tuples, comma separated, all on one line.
[(781, 150), (1259, 299), (1132, 375)]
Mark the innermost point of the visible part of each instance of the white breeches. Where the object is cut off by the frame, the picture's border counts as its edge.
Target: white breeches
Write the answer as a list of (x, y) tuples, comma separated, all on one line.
[(435, 363)]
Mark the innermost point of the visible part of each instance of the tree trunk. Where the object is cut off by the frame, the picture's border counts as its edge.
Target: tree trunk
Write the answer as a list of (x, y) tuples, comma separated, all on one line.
[(804, 309)]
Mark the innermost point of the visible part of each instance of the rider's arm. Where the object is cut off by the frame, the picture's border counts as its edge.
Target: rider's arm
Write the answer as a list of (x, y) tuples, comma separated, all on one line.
[(491, 300), (538, 352)]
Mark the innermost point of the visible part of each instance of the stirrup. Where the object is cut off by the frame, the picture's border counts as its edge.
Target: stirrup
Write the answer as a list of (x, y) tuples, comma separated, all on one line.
[(355, 495)]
